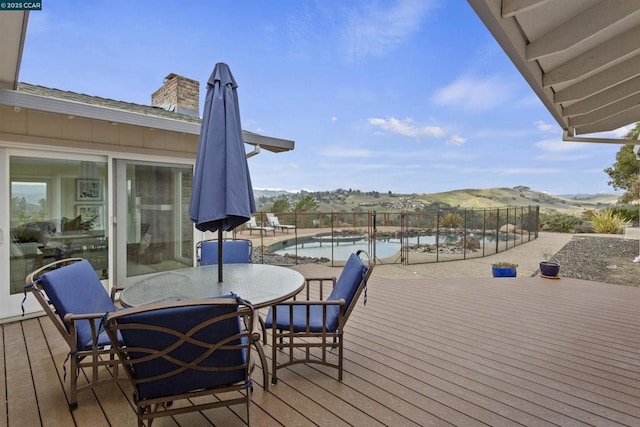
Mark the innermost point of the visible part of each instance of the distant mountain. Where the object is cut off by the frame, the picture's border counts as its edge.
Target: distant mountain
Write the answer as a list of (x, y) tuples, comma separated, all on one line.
[(355, 200), (271, 192)]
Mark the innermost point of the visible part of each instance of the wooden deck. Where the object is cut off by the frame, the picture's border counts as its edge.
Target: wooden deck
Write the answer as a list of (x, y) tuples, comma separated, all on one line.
[(465, 352)]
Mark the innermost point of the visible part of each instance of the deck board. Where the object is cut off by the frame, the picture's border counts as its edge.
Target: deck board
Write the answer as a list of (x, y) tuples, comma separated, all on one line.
[(423, 351)]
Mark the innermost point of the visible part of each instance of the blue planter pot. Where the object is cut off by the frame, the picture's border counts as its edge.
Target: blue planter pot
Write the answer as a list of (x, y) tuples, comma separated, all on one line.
[(503, 271), (549, 269)]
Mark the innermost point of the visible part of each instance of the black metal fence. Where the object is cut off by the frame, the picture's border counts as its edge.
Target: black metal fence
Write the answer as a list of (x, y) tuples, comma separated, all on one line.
[(396, 238)]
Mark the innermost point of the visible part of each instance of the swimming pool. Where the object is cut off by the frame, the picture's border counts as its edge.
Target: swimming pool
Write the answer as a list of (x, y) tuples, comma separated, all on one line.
[(313, 247)]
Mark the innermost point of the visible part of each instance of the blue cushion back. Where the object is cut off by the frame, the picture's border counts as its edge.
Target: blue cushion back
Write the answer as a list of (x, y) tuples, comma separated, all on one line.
[(182, 319), (233, 252), (76, 288), (347, 284)]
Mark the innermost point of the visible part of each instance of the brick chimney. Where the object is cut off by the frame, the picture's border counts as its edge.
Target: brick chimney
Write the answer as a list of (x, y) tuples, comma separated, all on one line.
[(178, 94)]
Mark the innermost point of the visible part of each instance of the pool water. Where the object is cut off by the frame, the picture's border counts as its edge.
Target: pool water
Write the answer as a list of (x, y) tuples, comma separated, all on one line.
[(384, 247)]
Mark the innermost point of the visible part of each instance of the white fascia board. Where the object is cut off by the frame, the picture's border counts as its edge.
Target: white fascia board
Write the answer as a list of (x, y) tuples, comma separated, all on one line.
[(14, 98)]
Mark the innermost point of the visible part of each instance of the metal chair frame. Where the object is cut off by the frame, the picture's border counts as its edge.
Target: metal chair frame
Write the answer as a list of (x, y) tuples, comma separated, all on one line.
[(94, 358)]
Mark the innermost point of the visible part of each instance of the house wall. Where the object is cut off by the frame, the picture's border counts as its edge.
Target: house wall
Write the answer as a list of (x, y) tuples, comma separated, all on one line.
[(37, 127)]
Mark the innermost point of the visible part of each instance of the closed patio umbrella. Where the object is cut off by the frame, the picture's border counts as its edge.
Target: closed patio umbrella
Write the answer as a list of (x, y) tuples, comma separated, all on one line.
[(221, 195)]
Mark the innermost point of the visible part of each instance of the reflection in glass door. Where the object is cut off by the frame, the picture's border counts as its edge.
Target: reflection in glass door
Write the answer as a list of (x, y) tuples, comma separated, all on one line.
[(159, 231), (57, 210)]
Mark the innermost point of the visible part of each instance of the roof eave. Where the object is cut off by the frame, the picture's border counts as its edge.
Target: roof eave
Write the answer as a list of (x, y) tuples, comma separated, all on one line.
[(14, 98)]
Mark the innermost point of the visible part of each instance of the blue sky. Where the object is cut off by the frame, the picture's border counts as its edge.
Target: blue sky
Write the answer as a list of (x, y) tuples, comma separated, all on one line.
[(400, 95)]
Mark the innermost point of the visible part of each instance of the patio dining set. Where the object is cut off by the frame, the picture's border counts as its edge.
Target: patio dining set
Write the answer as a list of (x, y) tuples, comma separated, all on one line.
[(180, 334)]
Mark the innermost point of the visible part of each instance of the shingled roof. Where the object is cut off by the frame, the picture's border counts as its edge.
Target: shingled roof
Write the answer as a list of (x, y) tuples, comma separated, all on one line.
[(104, 102)]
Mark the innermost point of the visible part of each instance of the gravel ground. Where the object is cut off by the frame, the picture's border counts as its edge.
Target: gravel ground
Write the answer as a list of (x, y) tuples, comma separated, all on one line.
[(602, 259)]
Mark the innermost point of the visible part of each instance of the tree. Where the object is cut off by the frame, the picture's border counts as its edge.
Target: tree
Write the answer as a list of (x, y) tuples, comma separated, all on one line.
[(306, 204), (624, 172), (280, 205)]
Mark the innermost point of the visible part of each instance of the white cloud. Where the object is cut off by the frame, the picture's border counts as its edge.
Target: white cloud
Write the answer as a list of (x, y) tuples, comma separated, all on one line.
[(621, 132), (558, 146), (355, 166), (406, 127), (373, 31), (456, 140), (474, 94), (543, 126), (334, 119), (555, 157), (336, 151)]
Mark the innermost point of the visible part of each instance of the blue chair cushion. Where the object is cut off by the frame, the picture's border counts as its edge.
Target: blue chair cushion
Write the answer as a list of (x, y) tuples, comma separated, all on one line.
[(300, 318), (76, 288), (183, 319), (233, 252), (345, 288), (349, 280)]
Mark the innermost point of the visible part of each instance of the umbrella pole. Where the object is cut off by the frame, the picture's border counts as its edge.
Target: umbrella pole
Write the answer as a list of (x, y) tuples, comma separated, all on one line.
[(219, 255)]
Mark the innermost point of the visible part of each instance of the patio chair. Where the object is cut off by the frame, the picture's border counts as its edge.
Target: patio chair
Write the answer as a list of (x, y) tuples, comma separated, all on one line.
[(72, 295), (298, 327), (234, 251), (274, 222), (253, 225), (185, 350)]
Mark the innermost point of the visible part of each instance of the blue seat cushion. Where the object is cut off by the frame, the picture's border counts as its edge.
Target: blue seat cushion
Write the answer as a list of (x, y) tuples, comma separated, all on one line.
[(345, 288), (183, 319), (76, 288), (233, 252), (300, 318)]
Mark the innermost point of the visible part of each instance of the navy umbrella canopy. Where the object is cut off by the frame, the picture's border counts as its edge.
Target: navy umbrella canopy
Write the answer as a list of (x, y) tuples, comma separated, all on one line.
[(221, 195)]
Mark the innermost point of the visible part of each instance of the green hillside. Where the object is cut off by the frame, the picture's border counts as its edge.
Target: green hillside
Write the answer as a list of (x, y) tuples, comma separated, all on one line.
[(355, 200)]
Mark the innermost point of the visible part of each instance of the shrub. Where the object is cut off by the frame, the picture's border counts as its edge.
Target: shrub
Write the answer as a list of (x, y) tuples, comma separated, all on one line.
[(451, 220), (559, 222), (628, 212), (608, 222), (504, 264)]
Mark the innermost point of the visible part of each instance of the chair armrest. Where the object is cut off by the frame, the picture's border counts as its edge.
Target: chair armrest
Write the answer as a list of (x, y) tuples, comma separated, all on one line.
[(114, 291), (71, 319), (320, 281), (339, 302)]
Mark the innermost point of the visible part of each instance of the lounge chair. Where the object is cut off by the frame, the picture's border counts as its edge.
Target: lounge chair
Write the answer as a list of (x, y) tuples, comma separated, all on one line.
[(300, 326), (73, 297), (274, 222), (253, 225), (180, 351)]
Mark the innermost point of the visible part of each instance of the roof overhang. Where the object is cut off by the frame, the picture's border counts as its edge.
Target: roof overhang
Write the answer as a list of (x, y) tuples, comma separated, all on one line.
[(13, 30), (18, 99), (581, 57)]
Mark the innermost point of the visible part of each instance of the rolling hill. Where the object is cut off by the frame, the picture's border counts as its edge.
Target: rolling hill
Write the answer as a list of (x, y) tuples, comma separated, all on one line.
[(354, 200)]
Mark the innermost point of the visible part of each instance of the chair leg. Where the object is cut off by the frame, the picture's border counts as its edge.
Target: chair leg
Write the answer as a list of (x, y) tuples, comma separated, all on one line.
[(274, 363), (73, 379), (340, 351)]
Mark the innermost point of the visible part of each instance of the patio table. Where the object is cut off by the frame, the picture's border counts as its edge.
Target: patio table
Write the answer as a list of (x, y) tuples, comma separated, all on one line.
[(261, 285)]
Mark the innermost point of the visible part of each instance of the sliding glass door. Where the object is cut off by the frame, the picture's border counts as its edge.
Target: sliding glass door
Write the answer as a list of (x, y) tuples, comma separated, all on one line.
[(57, 208), (153, 225)]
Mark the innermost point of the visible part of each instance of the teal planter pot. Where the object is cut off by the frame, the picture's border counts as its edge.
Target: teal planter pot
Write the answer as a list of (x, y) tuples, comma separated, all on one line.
[(504, 271)]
